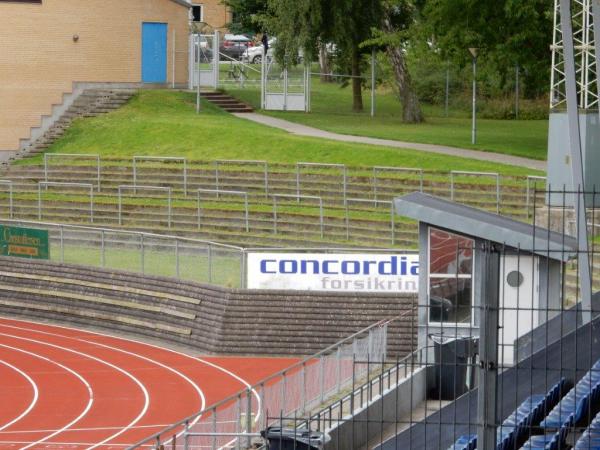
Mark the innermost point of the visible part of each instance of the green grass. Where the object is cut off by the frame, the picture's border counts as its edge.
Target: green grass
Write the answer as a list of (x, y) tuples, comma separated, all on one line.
[(332, 111), (193, 267), (165, 123)]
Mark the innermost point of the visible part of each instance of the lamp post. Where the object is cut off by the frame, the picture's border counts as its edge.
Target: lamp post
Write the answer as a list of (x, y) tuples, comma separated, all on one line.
[(474, 53)]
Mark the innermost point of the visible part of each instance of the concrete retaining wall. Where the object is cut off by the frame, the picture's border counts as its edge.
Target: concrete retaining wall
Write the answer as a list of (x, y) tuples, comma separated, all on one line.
[(211, 319)]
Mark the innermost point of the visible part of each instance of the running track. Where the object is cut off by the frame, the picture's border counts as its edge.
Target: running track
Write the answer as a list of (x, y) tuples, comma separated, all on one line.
[(67, 388)]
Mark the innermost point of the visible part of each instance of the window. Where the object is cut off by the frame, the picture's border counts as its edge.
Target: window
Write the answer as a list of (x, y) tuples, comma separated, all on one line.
[(198, 13), (450, 277)]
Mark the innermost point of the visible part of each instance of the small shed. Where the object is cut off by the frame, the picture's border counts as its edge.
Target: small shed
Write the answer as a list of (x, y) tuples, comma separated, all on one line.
[(454, 276)]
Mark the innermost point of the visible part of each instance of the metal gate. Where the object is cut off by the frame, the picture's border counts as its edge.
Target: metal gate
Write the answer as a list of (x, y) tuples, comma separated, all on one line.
[(204, 60), (285, 88)]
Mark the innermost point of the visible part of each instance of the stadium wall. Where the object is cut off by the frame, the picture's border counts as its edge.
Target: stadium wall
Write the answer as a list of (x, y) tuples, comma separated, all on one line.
[(212, 320), (49, 47)]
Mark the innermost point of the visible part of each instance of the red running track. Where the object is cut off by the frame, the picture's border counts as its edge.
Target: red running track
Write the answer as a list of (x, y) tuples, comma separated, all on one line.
[(63, 388)]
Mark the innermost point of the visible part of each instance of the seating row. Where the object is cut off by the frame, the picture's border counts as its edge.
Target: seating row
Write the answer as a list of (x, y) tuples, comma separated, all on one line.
[(574, 410)]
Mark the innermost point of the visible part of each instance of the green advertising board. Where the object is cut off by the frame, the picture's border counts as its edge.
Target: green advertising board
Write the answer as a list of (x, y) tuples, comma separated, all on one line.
[(24, 242)]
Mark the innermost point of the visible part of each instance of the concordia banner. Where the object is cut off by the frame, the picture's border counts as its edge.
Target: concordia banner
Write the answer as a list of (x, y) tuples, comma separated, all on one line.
[(382, 273), (24, 242)]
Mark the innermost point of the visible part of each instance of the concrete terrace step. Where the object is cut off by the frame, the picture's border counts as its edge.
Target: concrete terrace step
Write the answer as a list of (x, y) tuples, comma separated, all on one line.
[(227, 102), (292, 324), (91, 102)]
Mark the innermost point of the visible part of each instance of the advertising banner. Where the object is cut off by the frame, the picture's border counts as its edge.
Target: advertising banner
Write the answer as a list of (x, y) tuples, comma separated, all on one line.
[(24, 242), (360, 272)]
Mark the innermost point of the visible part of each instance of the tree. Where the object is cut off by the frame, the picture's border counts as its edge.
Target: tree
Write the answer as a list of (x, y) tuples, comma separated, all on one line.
[(246, 15), (397, 19), (509, 32)]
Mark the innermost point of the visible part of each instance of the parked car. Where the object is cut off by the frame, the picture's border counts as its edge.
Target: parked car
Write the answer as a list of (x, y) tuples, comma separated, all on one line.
[(254, 54), (233, 46)]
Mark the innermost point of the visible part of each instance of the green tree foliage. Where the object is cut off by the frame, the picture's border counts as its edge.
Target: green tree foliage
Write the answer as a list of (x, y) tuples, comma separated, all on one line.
[(246, 15), (303, 24), (508, 32)]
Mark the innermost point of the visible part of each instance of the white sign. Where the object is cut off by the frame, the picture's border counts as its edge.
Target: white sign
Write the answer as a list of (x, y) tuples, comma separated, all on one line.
[(391, 273)]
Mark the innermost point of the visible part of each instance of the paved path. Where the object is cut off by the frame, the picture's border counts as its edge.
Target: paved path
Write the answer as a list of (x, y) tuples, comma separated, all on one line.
[(303, 130)]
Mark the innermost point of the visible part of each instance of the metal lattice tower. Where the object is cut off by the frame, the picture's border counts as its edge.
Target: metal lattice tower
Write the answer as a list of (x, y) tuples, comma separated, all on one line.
[(585, 57)]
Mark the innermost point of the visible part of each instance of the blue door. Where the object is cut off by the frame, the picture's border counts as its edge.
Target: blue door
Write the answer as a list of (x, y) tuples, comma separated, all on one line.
[(154, 52)]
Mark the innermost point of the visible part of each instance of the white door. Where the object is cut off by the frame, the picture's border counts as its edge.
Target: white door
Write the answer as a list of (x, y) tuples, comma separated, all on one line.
[(519, 300)]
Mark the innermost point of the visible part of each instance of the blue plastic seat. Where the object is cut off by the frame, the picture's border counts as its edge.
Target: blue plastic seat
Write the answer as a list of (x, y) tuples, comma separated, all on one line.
[(591, 437), (465, 443), (575, 406)]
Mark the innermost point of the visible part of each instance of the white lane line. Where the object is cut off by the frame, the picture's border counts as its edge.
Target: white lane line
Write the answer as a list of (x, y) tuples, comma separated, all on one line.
[(222, 369), (187, 379), (101, 361), (33, 400), (83, 380)]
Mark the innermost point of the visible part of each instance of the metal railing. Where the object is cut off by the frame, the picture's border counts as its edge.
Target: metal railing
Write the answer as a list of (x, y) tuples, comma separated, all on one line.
[(298, 197), (244, 195), (72, 156), (161, 159), (135, 188), (455, 173), (341, 167), (232, 422), (147, 253), (46, 184), (9, 183)]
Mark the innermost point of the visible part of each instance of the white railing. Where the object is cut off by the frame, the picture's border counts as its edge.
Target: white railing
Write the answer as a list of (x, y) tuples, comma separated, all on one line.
[(232, 422)]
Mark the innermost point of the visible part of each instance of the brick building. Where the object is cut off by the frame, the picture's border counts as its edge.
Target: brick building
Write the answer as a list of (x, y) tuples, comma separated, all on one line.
[(51, 49), (211, 13)]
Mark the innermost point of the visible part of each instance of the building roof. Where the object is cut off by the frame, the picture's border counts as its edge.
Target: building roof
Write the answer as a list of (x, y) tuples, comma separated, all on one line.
[(485, 225)]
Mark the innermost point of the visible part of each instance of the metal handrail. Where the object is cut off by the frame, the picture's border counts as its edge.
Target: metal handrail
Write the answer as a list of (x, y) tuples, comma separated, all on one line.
[(253, 388)]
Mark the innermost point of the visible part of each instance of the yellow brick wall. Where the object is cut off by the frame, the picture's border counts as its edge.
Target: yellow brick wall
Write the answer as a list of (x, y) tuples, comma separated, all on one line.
[(216, 14), (39, 60)]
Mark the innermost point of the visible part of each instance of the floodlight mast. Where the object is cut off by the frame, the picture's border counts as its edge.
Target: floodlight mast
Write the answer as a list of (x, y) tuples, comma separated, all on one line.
[(573, 23)]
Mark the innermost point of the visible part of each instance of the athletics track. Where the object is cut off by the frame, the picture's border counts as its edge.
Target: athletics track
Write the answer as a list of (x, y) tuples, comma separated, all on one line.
[(63, 388)]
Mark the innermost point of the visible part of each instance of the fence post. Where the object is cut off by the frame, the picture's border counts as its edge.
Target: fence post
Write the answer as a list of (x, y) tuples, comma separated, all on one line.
[(298, 182), (347, 222), (199, 212), (209, 263), (375, 183), (338, 369), (497, 194), (185, 435), (238, 422), (321, 216), (345, 183), (62, 245), (142, 253), (303, 389), (247, 214), (177, 257), (275, 214), (39, 202), (102, 255), (10, 200), (283, 389), (249, 418), (121, 201), (185, 178), (321, 379), (488, 349), (452, 186), (91, 204), (169, 206), (266, 180), (243, 269), (393, 222), (214, 429)]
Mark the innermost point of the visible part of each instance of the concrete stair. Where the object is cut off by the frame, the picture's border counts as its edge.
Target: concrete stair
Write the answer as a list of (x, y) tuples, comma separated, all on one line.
[(88, 103), (207, 318), (227, 102)]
